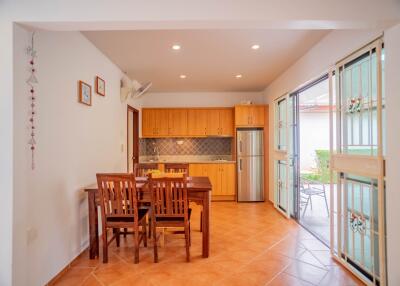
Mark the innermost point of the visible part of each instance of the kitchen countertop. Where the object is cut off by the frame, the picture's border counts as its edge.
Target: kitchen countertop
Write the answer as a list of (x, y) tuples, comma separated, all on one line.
[(188, 159)]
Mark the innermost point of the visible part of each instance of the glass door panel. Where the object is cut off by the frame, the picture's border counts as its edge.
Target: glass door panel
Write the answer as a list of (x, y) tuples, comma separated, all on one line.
[(360, 190)]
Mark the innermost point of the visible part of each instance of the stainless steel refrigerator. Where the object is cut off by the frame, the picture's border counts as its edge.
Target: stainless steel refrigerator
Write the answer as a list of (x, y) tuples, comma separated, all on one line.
[(250, 165)]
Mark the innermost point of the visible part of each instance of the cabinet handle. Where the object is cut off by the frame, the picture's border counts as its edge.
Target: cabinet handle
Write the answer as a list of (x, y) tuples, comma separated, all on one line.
[(240, 164)]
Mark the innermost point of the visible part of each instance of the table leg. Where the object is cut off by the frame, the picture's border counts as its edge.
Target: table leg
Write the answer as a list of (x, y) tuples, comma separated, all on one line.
[(93, 226), (206, 224)]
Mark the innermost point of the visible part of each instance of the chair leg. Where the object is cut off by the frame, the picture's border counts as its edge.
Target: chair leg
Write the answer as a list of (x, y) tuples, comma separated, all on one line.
[(187, 243), (326, 203), (117, 235), (305, 207), (201, 221), (310, 201), (155, 244), (144, 232), (125, 231), (149, 220), (105, 246), (136, 238), (190, 236)]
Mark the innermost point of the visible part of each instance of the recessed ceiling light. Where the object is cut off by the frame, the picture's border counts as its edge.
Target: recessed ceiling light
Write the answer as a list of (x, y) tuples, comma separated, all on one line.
[(255, 47), (238, 76), (176, 47), (182, 76)]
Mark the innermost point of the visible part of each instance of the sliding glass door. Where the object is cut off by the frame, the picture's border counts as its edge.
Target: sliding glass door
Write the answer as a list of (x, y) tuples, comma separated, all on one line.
[(284, 160), (357, 165)]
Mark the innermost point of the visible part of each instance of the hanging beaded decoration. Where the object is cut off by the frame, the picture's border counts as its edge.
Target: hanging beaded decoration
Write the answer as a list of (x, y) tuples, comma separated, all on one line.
[(32, 81)]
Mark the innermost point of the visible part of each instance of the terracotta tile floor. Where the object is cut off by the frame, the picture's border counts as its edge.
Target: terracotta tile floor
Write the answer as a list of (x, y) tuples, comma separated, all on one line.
[(251, 244)]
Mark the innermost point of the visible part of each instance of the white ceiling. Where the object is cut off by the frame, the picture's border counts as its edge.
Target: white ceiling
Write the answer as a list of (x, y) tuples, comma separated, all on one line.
[(209, 58)]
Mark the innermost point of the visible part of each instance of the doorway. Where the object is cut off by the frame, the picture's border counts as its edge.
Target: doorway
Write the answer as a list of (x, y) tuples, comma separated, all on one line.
[(311, 153), (132, 138)]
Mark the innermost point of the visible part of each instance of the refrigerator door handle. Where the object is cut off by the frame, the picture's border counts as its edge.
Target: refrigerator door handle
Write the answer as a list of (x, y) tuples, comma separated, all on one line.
[(240, 165)]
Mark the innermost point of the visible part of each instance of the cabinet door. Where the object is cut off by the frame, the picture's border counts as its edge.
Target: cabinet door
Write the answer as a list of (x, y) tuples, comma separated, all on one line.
[(227, 179), (162, 119), (257, 114), (226, 122), (148, 123), (197, 122), (197, 170), (178, 122), (213, 122), (242, 116), (213, 174)]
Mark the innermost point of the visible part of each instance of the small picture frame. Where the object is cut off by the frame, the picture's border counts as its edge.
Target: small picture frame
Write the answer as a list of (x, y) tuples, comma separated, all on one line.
[(85, 93), (100, 86)]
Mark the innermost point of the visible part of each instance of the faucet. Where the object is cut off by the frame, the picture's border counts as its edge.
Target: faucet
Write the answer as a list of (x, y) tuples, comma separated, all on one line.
[(156, 151)]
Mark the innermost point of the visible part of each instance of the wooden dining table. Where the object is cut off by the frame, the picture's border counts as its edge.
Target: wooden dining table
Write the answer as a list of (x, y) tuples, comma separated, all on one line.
[(199, 189)]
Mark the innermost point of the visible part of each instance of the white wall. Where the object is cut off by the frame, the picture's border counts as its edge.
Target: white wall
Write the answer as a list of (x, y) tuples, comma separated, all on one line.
[(392, 85), (6, 150), (198, 99), (335, 46), (74, 141)]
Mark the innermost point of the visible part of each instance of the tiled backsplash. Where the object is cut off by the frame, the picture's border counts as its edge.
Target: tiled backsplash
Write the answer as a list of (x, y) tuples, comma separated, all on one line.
[(189, 146)]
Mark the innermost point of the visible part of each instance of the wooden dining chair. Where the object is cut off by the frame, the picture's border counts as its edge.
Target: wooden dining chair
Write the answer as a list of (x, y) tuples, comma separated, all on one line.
[(119, 209), (177, 168), (142, 169), (182, 168), (170, 208)]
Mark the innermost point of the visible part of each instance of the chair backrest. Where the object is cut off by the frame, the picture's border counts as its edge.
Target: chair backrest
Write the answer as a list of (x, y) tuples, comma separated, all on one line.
[(169, 197), (118, 195), (142, 169), (177, 168)]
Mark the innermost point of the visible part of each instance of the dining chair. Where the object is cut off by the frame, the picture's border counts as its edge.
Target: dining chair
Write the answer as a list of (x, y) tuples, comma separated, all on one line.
[(170, 208), (119, 209), (142, 169), (177, 168), (182, 168), (308, 189)]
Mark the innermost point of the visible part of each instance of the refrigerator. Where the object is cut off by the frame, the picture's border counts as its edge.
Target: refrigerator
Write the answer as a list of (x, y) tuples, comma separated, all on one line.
[(250, 164)]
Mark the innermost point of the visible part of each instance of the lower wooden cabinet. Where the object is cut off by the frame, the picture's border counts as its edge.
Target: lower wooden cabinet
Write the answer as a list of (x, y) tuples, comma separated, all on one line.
[(222, 177)]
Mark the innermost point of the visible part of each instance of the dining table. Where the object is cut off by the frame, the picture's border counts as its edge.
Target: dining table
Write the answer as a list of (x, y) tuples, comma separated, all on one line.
[(199, 189)]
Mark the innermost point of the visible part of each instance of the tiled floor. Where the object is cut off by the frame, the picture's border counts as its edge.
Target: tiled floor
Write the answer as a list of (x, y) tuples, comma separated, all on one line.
[(251, 244)]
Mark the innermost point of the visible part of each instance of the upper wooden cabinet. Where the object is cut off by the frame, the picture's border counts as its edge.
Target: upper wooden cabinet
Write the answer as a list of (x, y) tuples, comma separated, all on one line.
[(250, 115), (197, 122), (154, 122), (220, 122), (187, 122), (178, 122)]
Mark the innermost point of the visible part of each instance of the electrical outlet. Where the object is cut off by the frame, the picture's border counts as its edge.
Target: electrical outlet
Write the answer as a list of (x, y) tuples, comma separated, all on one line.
[(31, 235)]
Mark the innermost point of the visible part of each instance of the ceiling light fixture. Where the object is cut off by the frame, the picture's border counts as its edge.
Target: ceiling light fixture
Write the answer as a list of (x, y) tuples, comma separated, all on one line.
[(176, 47), (255, 47), (238, 76), (182, 76)]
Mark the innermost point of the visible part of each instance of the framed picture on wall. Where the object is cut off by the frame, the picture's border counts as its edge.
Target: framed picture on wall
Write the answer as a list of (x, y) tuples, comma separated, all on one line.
[(100, 86), (85, 93)]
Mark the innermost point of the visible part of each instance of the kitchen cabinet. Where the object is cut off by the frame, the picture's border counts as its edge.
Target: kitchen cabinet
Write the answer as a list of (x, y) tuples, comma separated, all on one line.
[(250, 115), (222, 178), (197, 122), (213, 126), (220, 122), (187, 122), (155, 122), (177, 122)]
